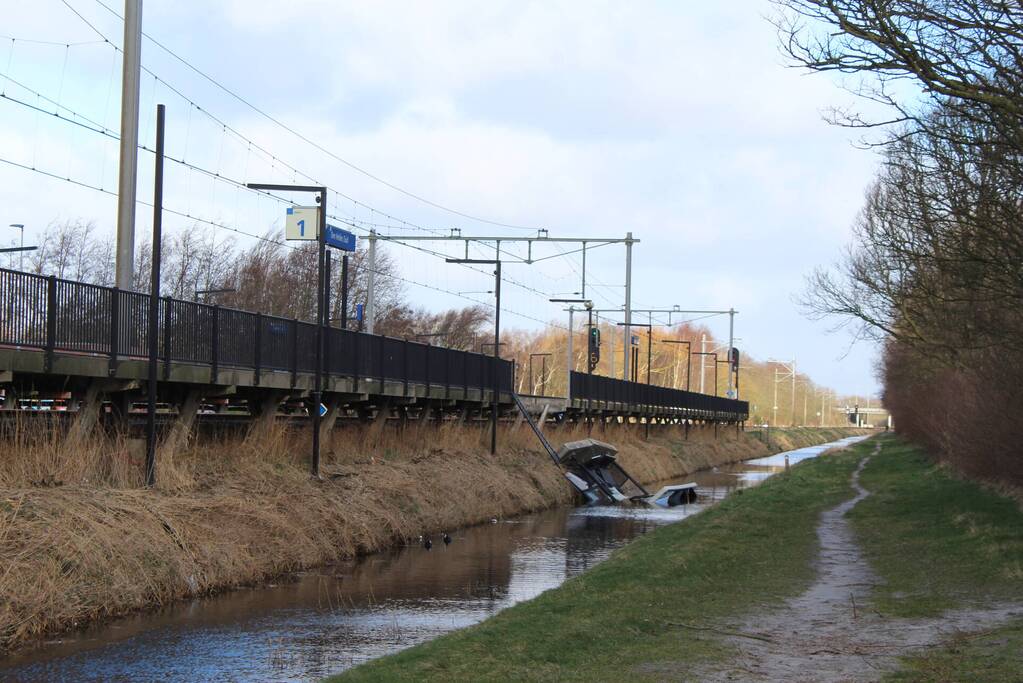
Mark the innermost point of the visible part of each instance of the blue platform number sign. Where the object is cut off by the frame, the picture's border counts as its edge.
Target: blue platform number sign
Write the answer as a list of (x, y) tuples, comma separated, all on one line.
[(339, 239), (301, 222)]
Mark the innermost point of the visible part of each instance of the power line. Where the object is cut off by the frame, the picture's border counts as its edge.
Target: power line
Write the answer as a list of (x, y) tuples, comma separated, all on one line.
[(101, 130), (87, 123), (251, 145), (305, 139), (263, 238)]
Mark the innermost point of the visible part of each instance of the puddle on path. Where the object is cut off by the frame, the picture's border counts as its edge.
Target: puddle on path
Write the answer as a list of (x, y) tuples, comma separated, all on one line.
[(332, 618)]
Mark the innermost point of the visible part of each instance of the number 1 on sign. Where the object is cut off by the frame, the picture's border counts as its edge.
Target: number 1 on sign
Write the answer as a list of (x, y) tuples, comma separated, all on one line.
[(301, 228)]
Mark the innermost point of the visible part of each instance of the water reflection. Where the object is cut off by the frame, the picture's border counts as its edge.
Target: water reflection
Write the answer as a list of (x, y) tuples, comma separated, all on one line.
[(326, 620)]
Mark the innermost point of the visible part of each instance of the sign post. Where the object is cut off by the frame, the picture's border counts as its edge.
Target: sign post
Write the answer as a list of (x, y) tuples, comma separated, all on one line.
[(310, 223)]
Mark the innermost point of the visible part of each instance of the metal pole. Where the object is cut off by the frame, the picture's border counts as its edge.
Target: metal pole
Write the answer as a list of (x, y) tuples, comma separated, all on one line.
[(569, 363), (583, 293), (344, 292), (774, 418), (589, 331), (154, 300), (628, 304), (371, 307), (128, 169), (805, 392), (689, 365), (531, 374), (793, 405), (494, 403), (731, 344), (612, 338), (703, 351), (320, 314), (649, 362)]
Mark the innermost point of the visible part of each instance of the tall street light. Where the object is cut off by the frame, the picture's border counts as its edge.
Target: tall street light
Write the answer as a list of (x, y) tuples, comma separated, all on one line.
[(543, 371), (710, 353), (571, 330), (689, 355), (21, 258), (649, 357), (495, 387)]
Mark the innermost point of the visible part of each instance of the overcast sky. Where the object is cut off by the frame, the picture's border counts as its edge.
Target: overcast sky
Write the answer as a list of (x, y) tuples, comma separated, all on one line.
[(677, 121)]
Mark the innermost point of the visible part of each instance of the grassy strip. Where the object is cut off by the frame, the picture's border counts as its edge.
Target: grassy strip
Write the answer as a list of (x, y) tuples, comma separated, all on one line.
[(937, 541), (993, 656), (940, 543), (625, 617)]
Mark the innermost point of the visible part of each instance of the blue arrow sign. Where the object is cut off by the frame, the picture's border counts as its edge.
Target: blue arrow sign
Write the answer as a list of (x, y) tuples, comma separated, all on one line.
[(340, 239), (323, 410)]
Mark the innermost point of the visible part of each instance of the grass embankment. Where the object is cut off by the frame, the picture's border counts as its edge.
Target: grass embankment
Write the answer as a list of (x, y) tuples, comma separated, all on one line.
[(941, 543), (656, 608), (82, 541), (639, 614)]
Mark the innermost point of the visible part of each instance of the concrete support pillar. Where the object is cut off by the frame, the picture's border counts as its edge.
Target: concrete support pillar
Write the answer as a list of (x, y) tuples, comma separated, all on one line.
[(518, 421), (383, 412), (88, 412), (543, 416), (181, 428), (328, 421), (263, 409)]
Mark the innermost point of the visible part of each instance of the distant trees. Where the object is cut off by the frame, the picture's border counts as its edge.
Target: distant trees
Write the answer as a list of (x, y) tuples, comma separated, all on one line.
[(72, 250), (269, 277), (936, 270)]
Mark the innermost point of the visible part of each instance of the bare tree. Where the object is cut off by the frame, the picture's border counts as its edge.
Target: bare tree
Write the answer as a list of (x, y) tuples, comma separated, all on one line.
[(71, 250)]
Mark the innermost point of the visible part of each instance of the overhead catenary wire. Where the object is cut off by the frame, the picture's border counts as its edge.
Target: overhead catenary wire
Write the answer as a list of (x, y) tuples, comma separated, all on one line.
[(263, 238), (96, 127), (250, 145), (88, 123), (306, 139)]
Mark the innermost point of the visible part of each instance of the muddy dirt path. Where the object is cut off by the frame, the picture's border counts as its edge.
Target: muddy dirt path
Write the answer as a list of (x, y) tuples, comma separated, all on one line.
[(829, 633)]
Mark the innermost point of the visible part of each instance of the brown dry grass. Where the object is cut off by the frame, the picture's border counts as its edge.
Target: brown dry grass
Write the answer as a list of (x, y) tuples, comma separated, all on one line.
[(83, 541)]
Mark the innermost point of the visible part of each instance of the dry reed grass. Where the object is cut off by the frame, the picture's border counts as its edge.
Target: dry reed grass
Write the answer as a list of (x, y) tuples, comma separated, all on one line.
[(83, 541)]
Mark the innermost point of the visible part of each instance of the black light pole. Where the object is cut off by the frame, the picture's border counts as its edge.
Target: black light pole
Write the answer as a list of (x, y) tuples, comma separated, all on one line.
[(344, 292), (154, 299), (649, 356), (543, 371), (710, 353), (207, 292), (588, 304), (716, 363), (689, 352), (429, 335), (14, 250), (495, 387), (321, 314)]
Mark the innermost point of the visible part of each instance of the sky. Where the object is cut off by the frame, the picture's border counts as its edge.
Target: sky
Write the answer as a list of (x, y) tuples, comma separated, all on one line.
[(681, 123)]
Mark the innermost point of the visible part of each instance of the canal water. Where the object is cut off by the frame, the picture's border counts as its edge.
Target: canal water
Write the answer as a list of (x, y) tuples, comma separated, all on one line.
[(325, 620)]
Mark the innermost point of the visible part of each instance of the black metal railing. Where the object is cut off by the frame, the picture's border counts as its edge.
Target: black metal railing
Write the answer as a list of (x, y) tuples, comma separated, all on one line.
[(652, 398), (53, 314)]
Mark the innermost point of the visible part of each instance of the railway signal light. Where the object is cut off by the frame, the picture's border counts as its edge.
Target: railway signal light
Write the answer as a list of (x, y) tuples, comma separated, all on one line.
[(594, 347)]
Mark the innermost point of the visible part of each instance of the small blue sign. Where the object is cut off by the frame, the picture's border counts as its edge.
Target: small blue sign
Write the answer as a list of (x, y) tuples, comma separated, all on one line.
[(323, 410), (340, 239), (359, 308), (635, 340)]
